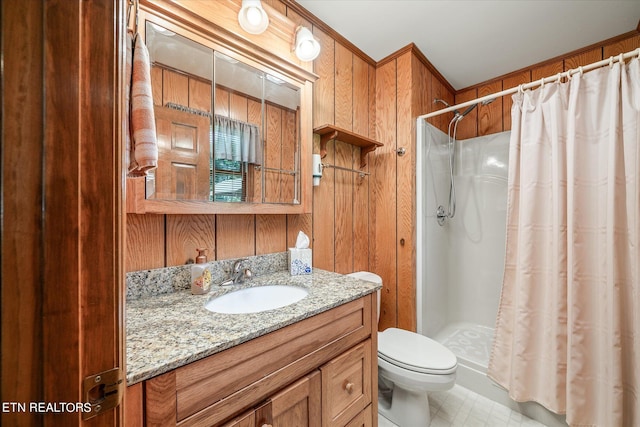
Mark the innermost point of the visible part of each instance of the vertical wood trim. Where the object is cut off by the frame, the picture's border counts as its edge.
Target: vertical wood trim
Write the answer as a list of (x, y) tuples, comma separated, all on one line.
[(360, 96), (82, 228), (405, 205), (343, 96), (383, 188), (343, 230), (134, 406), (61, 311), (324, 212), (372, 101), (101, 114), (324, 87), (22, 235)]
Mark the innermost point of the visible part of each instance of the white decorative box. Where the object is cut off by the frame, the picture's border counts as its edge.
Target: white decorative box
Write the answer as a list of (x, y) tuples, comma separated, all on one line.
[(300, 261)]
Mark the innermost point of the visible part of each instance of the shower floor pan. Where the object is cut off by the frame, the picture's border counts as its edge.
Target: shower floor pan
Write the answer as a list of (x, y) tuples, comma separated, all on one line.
[(471, 343)]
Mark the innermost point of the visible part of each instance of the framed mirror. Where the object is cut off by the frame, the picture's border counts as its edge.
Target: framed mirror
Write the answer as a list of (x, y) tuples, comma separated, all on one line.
[(230, 130)]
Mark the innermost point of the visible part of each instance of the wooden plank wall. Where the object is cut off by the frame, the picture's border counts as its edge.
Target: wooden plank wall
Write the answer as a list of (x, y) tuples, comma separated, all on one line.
[(394, 176), (496, 116), (406, 86), (357, 223), (340, 223)]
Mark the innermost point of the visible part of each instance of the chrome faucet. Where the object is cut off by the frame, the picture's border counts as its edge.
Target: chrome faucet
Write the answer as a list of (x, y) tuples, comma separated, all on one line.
[(239, 273)]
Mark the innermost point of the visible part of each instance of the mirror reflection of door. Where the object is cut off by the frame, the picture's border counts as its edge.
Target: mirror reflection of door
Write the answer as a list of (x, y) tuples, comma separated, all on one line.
[(183, 155), (250, 119)]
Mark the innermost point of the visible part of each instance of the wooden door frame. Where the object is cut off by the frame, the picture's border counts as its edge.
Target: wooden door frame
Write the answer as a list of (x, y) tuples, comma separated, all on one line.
[(62, 203)]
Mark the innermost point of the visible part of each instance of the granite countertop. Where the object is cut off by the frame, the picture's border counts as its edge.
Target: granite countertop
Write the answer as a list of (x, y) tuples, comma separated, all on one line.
[(167, 331)]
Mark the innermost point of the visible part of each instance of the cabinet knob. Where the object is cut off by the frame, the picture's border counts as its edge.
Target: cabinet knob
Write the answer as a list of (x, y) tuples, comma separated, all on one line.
[(349, 387)]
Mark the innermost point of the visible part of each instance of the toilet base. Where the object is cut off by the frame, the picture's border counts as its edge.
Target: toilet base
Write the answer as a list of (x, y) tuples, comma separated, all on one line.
[(405, 408)]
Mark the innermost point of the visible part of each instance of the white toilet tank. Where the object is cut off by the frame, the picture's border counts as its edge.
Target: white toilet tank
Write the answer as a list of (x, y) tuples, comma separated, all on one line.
[(369, 277)]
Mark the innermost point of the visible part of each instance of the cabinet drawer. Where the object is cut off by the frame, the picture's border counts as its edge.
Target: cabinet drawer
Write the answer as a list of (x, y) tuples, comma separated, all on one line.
[(346, 385)]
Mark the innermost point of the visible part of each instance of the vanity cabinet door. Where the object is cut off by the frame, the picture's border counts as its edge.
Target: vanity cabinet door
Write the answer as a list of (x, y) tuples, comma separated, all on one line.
[(245, 420), (296, 405), (346, 385)]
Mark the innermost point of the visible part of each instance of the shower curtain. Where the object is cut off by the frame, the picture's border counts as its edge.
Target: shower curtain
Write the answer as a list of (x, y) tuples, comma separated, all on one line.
[(568, 326)]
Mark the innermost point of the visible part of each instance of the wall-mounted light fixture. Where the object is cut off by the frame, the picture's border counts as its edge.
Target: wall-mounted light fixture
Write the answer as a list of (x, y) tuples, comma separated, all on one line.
[(306, 46), (252, 17)]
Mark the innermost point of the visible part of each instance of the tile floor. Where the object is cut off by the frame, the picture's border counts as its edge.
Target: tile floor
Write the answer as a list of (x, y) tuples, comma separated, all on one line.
[(460, 407)]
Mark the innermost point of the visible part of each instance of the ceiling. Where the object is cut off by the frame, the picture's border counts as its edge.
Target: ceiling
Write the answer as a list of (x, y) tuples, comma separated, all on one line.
[(470, 42)]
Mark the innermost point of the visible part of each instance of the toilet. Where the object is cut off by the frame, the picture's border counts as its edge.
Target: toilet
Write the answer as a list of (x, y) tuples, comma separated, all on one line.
[(409, 366)]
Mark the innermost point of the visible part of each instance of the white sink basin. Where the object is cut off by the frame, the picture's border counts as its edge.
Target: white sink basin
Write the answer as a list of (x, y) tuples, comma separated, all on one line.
[(256, 299)]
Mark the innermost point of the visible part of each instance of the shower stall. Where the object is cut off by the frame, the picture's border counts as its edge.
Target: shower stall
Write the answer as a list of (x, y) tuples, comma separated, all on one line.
[(460, 257)]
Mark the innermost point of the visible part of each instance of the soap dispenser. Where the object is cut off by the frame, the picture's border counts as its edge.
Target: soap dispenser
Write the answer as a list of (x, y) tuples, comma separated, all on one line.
[(200, 276)]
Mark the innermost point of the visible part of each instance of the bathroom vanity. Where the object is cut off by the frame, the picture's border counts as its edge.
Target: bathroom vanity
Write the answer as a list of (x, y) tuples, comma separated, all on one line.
[(311, 363)]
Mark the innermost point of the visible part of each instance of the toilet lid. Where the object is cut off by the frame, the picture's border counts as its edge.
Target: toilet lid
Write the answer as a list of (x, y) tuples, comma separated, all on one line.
[(415, 352)]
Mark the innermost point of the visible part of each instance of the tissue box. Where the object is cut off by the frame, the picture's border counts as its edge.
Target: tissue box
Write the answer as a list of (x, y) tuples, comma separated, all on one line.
[(300, 261)]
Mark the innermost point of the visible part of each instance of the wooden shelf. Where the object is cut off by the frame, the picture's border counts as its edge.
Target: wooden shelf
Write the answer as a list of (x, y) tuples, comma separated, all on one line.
[(329, 132)]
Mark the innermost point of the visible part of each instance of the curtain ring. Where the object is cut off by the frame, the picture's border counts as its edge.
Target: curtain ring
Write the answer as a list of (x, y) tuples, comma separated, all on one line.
[(541, 83), (521, 89), (611, 62), (559, 80), (621, 59), (581, 70)]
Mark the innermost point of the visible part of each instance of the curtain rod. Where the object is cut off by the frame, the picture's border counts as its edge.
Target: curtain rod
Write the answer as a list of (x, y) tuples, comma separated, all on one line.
[(541, 82)]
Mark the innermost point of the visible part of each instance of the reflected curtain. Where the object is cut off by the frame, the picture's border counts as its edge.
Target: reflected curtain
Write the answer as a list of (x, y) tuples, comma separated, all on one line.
[(236, 140), (567, 332)]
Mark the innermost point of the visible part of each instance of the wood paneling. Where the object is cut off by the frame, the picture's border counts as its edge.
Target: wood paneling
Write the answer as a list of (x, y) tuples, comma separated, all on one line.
[(324, 87), (507, 101), (621, 46), (343, 96), (22, 272), (405, 199), (583, 58), (271, 234), (547, 70), (324, 213), (297, 223), (145, 242), (467, 127), (235, 236), (343, 231), (360, 97), (383, 192), (490, 116), (185, 234), (439, 91), (134, 406)]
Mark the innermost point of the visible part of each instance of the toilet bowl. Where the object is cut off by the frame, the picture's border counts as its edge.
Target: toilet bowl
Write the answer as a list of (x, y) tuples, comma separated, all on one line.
[(410, 366)]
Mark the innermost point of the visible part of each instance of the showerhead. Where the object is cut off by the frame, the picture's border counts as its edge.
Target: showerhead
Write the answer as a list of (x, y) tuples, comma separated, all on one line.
[(436, 100), (468, 110)]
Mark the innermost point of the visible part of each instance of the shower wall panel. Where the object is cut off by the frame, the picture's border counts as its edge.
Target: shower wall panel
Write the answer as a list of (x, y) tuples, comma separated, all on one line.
[(463, 259)]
